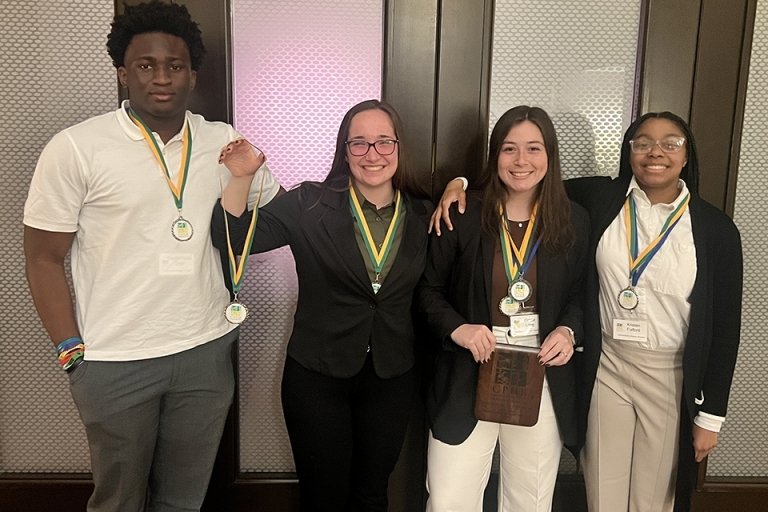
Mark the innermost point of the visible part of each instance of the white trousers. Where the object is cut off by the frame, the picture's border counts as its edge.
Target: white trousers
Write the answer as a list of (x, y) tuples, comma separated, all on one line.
[(529, 459), (630, 455)]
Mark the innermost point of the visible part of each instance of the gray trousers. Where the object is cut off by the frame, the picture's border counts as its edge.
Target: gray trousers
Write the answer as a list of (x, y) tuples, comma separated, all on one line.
[(154, 426)]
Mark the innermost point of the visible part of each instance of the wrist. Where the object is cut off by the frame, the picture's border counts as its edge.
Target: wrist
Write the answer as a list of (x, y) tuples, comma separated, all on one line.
[(464, 182), (571, 334), (70, 353)]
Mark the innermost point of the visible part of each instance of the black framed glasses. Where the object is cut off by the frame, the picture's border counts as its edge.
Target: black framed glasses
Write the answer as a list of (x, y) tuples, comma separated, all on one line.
[(383, 147), (668, 145)]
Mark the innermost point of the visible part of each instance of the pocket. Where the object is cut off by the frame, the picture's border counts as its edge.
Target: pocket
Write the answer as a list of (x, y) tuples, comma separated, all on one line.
[(77, 374)]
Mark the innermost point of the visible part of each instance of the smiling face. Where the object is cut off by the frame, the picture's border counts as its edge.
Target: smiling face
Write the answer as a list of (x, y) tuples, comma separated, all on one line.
[(523, 160), (372, 172), (159, 77), (657, 172)]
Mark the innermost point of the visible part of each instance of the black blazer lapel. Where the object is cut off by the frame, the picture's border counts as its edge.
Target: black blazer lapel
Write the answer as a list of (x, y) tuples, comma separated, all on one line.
[(413, 242), (339, 227)]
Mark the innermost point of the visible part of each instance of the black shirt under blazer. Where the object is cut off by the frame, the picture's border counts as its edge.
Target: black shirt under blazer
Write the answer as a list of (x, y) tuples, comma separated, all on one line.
[(709, 356), (338, 316), (455, 290)]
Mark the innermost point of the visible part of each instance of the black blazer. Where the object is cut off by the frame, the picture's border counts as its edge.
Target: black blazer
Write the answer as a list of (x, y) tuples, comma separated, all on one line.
[(709, 355), (455, 290), (338, 316)]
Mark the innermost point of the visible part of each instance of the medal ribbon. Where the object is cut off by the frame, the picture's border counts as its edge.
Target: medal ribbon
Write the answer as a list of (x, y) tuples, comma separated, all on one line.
[(237, 269), (638, 263), (378, 256), (517, 260), (177, 189)]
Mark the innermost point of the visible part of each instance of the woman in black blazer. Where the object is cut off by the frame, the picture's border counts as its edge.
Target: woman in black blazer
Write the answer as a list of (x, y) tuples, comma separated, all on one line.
[(471, 294), (688, 300), (359, 240)]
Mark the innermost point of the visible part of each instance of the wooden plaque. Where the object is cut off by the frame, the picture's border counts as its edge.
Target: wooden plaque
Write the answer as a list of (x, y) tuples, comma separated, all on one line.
[(509, 386)]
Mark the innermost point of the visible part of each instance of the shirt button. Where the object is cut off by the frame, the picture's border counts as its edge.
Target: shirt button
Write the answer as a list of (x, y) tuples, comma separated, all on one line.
[(372, 305)]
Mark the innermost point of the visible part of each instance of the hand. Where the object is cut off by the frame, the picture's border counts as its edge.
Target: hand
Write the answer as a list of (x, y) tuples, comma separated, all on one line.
[(478, 339), (453, 192), (704, 441), (557, 348), (241, 158)]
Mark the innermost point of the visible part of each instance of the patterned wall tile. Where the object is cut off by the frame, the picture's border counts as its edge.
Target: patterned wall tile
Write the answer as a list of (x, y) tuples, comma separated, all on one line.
[(742, 451), (576, 60), (56, 72)]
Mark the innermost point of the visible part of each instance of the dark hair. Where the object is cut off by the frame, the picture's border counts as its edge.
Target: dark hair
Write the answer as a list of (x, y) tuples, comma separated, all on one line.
[(155, 16), (554, 207), (403, 179), (690, 172)]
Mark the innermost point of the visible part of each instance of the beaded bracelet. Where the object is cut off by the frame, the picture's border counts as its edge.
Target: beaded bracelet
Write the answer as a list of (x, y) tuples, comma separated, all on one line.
[(71, 352)]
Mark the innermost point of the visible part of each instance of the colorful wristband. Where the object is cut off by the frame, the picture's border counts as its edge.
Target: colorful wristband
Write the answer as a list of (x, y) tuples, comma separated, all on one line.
[(70, 353)]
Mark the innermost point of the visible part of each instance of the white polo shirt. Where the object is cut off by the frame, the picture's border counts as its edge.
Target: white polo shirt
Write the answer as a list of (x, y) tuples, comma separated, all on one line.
[(139, 292)]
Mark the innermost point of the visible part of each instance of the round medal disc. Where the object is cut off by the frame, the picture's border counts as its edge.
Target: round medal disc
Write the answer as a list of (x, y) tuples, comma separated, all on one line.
[(508, 306), (236, 313), (181, 229), (520, 290), (628, 299)]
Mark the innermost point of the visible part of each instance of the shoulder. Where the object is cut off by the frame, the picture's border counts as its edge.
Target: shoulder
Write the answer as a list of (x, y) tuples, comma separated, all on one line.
[(712, 219), (579, 216), (593, 185), (89, 129), (418, 206), (216, 130)]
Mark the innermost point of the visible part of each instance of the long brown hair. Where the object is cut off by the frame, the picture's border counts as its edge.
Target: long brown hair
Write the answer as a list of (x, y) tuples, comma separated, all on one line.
[(403, 179), (554, 207)]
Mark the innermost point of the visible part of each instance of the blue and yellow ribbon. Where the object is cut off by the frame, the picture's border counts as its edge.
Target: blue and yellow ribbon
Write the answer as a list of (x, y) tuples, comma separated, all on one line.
[(639, 262)]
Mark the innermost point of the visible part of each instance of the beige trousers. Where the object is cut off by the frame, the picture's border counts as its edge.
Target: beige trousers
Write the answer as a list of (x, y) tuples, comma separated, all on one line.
[(630, 455)]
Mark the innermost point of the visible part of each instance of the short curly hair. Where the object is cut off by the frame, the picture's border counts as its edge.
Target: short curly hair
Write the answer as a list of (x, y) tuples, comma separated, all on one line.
[(154, 16)]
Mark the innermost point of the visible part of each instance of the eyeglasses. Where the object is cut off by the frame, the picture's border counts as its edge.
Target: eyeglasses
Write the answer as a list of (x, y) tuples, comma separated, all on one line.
[(383, 147), (668, 145)]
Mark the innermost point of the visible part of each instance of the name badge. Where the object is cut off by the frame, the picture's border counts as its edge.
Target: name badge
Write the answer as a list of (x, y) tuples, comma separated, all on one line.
[(172, 264), (630, 330), (524, 324)]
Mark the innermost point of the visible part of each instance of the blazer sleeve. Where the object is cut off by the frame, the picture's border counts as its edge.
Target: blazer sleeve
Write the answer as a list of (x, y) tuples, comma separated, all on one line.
[(274, 224), (578, 256), (433, 289), (726, 318)]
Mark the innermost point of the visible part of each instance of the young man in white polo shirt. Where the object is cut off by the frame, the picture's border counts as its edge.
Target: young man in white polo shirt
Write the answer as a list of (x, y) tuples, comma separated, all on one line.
[(146, 344)]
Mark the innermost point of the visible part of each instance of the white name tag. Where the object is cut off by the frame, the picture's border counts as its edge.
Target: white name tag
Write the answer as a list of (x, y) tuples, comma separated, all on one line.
[(524, 324), (630, 330), (173, 264)]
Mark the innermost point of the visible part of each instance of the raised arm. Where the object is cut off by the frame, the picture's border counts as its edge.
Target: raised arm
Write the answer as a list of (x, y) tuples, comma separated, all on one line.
[(454, 192), (243, 160), (45, 252)]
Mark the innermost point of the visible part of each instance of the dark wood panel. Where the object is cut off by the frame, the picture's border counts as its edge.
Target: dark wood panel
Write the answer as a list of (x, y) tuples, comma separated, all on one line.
[(719, 92), (464, 57), (668, 52), (409, 77), (719, 495)]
